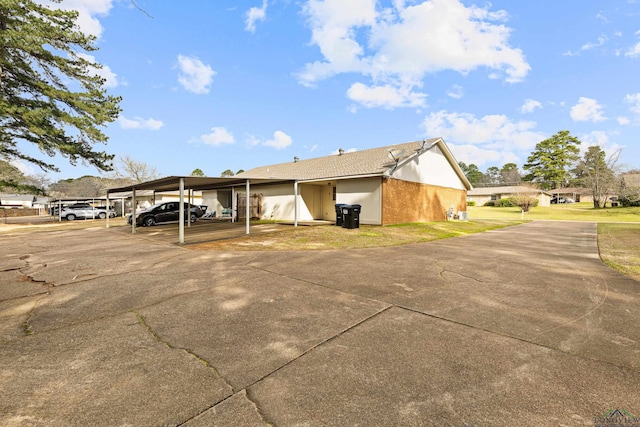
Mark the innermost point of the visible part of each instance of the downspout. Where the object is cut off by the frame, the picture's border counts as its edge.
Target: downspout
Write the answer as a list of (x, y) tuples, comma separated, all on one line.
[(181, 213), (190, 199), (247, 207)]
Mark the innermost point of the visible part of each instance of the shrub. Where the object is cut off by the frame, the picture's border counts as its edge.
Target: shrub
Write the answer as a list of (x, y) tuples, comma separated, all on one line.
[(490, 203), (506, 203), (471, 203), (627, 202)]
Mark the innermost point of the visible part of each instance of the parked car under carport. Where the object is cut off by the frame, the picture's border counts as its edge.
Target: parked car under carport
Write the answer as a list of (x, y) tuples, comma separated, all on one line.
[(166, 212)]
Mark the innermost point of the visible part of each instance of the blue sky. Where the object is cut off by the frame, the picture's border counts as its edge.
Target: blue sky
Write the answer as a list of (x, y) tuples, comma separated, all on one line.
[(227, 84)]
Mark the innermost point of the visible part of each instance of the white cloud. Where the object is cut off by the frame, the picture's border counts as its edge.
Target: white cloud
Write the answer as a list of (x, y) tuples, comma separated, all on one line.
[(110, 78), (356, 37), (634, 102), (588, 46), (597, 137), (601, 16), (140, 123), (586, 110), (387, 96), (218, 136), (254, 15), (633, 51), (195, 76), (530, 105), (88, 10), (495, 130), (489, 138), (280, 140), (472, 154), (456, 92), (601, 139), (623, 120)]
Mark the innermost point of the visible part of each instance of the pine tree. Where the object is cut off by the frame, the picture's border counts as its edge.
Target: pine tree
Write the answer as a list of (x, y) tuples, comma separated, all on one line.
[(549, 163), (50, 95)]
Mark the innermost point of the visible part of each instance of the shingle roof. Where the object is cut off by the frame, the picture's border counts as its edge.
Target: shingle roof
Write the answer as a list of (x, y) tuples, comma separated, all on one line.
[(512, 189), (374, 161)]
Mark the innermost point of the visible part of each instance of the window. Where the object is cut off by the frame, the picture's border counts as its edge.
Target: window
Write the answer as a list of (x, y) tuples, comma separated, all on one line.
[(334, 194)]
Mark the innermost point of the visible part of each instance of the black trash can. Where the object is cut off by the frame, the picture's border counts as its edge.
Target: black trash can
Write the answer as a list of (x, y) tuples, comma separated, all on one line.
[(339, 214), (351, 216)]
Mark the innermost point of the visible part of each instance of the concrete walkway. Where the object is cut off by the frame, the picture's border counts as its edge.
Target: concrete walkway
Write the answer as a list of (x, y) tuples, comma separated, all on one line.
[(519, 326)]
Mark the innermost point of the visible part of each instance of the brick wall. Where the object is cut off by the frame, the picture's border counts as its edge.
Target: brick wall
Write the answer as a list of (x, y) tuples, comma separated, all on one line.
[(404, 201)]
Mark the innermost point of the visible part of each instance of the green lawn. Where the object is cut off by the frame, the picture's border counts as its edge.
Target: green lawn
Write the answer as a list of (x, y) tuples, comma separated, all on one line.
[(619, 246), (568, 212)]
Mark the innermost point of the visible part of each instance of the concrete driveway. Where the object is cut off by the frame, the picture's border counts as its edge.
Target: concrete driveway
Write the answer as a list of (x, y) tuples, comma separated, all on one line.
[(519, 326)]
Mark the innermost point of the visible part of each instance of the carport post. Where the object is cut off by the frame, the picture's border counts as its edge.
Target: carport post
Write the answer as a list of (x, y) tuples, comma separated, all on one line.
[(247, 210), (181, 215), (295, 203), (108, 211), (133, 210), (189, 197)]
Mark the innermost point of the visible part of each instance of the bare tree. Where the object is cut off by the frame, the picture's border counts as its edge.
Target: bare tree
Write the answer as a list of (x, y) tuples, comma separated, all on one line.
[(597, 172), (525, 198), (629, 191), (135, 171)]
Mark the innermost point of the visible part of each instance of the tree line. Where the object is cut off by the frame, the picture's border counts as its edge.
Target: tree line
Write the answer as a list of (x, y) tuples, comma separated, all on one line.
[(555, 163)]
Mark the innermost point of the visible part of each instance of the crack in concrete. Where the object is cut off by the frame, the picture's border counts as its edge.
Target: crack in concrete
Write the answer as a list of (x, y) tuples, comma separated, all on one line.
[(191, 353), (246, 395), (467, 324), (200, 359), (259, 411), (524, 340), (303, 354)]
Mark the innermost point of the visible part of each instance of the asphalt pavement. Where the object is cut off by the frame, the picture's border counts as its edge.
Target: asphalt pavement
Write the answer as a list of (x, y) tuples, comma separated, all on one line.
[(518, 326)]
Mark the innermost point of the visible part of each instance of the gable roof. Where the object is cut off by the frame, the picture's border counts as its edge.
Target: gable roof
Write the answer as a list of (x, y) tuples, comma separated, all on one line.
[(370, 162)]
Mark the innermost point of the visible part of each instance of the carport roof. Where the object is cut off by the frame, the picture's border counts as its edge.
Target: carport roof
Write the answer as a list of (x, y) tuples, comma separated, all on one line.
[(172, 183)]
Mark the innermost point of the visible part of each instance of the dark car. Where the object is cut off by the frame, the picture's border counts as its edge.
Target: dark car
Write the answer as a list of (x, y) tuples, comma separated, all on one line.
[(166, 212)]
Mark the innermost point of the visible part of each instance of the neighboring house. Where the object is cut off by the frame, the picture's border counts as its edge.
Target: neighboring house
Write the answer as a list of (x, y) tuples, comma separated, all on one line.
[(577, 194), (412, 182), (17, 200), (486, 194)]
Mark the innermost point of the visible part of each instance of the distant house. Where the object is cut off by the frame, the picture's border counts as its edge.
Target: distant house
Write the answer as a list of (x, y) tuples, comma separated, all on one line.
[(411, 182), (17, 200), (492, 194), (577, 194)]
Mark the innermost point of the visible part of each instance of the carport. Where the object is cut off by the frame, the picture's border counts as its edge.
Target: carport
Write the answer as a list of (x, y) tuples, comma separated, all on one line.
[(196, 183)]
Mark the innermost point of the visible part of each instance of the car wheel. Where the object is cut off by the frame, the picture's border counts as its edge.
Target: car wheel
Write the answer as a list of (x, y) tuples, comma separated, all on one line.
[(149, 221), (193, 218), (102, 215), (71, 217)]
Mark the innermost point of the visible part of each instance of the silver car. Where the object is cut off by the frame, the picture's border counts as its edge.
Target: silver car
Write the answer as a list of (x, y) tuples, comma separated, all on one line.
[(72, 213)]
